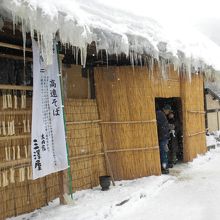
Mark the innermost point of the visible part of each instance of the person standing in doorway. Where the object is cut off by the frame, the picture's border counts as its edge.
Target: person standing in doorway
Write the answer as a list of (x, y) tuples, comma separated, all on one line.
[(163, 136), (173, 142)]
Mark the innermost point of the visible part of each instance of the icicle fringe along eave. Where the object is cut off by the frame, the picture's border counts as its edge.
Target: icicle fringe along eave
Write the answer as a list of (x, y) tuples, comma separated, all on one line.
[(78, 32)]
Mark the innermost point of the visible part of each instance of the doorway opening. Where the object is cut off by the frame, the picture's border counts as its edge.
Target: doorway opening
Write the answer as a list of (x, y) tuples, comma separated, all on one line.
[(175, 119)]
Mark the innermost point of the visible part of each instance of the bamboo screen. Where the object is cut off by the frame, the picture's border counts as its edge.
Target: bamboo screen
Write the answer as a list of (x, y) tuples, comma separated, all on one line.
[(18, 192), (123, 125), (127, 111), (85, 143), (193, 116)]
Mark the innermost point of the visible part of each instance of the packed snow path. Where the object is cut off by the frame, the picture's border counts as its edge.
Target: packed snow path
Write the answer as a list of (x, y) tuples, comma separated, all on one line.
[(191, 191)]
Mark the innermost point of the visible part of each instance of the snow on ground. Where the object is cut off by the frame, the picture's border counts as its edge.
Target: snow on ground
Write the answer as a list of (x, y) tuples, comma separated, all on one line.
[(210, 140), (191, 191)]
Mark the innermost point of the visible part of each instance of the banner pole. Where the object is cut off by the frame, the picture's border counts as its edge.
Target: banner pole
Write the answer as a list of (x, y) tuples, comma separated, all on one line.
[(64, 121)]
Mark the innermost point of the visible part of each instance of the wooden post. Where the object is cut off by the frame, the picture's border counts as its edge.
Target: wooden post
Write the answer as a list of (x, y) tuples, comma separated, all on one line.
[(65, 178), (108, 163), (63, 186)]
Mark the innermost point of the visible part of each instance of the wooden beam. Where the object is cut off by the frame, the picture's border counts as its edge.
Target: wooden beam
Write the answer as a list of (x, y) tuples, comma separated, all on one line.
[(14, 163), (14, 137), (128, 122), (82, 122), (133, 149), (14, 57), (16, 112), (15, 87), (15, 47), (198, 133), (197, 112)]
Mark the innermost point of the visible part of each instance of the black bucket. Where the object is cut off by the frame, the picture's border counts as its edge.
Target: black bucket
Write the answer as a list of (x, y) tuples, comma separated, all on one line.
[(105, 182)]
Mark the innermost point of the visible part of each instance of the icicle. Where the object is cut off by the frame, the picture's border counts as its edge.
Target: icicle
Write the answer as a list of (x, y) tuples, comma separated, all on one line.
[(13, 127), (4, 100), (13, 21), (18, 153), (31, 30), (6, 154), (106, 51), (3, 128), (9, 101), (65, 48), (9, 153), (9, 128), (83, 56), (28, 126), (23, 28), (101, 56), (24, 123), (29, 173), (14, 153), (25, 151), (23, 99), (77, 54), (5, 178), (21, 174), (132, 59), (152, 66), (140, 59), (135, 59), (15, 101), (12, 175), (38, 38)]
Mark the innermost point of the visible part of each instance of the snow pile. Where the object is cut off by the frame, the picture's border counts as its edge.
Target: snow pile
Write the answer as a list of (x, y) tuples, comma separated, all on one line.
[(211, 140), (191, 192), (80, 22)]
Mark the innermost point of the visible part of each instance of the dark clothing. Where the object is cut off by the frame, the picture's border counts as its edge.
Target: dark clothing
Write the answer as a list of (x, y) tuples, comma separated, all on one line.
[(163, 154), (163, 136), (174, 140), (162, 126)]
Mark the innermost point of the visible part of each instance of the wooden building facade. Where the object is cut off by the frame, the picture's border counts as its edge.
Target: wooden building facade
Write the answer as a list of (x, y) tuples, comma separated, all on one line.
[(212, 107), (113, 133)]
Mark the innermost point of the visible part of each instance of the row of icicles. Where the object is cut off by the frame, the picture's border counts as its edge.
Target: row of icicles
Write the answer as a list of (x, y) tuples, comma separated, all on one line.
[(134, 57), (9, 176), (10, 100)]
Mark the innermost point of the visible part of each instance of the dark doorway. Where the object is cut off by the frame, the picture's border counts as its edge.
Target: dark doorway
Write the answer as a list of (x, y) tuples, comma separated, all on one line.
[(175, 153)]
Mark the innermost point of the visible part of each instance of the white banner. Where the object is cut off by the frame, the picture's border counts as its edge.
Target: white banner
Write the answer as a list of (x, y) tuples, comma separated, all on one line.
[(49, 152)]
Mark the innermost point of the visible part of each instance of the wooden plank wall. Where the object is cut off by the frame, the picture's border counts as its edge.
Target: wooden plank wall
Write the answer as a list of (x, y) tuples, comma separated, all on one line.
[(192, 94)]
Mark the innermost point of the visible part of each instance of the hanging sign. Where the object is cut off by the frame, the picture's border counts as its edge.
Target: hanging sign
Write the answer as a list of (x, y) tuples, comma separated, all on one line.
[(48, 145)]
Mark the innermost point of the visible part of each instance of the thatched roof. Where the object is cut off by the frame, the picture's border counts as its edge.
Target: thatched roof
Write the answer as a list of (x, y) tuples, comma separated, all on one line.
[(81, 22)]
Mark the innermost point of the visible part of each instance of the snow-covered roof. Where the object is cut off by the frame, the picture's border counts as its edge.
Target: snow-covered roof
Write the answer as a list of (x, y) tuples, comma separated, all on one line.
[(214, 87), (80, 22)]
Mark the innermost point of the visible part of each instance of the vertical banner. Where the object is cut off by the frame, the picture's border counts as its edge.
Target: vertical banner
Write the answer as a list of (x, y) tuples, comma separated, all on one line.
[(48, 144)]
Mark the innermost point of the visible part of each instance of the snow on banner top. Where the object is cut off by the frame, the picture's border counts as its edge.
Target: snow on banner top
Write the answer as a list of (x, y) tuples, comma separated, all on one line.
[(80, 22)]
